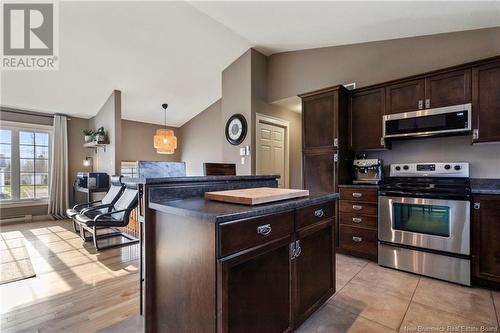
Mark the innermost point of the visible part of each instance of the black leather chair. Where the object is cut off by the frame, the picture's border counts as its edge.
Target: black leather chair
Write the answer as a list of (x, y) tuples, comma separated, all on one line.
[(104, 204), (93, 219)]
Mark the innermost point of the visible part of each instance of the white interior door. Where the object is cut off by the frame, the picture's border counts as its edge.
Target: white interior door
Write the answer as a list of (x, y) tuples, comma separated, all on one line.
[(271, 151)]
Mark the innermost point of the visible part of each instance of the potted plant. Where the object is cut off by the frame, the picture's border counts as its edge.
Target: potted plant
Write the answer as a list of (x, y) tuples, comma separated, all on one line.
[(89, 135), (100, 135)]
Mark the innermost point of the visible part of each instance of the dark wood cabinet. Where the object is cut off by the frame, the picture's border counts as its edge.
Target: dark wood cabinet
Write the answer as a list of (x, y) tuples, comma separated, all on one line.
[(319, 168), (451, 88), (358, 227), (486, 102), (319, 113), (255, 290), (405, 97), (366, 109), (325, 149), (486, 238), (314, 269)]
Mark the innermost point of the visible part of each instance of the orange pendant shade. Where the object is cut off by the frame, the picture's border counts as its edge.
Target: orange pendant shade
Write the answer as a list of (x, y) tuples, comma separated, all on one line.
[(165, 141)]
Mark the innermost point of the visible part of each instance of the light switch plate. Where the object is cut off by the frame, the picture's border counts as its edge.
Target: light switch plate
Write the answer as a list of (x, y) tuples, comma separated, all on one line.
[(247, 150), (243, 151), (242, 160)]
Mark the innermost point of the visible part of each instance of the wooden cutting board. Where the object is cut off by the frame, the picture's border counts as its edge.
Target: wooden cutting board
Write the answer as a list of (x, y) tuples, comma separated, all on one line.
[(255, 196)]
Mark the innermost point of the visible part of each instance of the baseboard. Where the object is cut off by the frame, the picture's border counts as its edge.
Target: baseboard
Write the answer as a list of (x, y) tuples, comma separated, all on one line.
[(8, 220)]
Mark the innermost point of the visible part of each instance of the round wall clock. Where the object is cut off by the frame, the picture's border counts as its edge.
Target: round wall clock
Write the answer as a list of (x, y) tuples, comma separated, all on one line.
[(236, 129)]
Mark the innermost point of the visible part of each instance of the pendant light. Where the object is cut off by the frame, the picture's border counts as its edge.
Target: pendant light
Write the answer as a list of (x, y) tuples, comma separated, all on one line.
[(165, 140)]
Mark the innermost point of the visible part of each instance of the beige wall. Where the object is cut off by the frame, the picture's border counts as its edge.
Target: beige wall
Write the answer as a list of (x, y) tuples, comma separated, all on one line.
[(293, 73), (260, 105), (237, 98), (109, 116), (201, 140), (137, 142)]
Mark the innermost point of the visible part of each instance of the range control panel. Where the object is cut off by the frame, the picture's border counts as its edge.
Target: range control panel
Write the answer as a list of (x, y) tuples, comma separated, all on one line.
[(430, 169)]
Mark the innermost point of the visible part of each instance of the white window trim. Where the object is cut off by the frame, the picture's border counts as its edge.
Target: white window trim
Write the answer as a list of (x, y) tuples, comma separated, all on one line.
[(17, 126)]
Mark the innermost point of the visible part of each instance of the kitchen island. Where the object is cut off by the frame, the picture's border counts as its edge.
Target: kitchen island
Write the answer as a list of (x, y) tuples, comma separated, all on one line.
[(220, 267)]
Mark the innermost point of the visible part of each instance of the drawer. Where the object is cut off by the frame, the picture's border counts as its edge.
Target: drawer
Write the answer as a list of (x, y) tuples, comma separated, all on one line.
[(359, 240), (239, 235), (358, 194), (312, 214), (357, 220), (358, 207)]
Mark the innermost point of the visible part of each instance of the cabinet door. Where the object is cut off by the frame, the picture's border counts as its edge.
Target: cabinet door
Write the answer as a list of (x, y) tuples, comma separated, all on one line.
[(254, 290), (448, 89), (318, 120), (314, 270), (366, 110), (486, 237), (405, 97), (319, 171), (486, 102)]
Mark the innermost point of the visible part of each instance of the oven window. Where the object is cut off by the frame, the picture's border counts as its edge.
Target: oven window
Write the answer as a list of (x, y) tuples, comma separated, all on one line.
[(424, 219)]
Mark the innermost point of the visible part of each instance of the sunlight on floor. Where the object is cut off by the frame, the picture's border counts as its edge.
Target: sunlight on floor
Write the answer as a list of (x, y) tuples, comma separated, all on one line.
[(70, 275)]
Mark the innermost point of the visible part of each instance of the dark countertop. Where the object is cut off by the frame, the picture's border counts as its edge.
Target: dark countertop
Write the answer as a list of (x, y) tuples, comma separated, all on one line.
[(218, 212), (165, 180), (485, 186), (375, 186)]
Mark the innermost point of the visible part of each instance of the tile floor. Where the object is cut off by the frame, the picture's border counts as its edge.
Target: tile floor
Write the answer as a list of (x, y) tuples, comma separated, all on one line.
[(371, 298)]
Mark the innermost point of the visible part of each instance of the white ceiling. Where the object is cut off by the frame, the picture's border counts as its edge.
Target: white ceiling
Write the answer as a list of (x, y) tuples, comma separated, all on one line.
[(154, 52), (174, 52), (280, 26)]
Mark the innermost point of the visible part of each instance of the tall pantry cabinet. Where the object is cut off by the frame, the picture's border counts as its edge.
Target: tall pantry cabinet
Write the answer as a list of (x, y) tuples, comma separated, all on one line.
[(325, 145)]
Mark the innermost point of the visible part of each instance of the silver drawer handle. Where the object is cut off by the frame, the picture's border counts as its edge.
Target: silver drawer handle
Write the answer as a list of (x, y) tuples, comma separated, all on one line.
[(357, 220), (357, 239), (357, 207), (319, 213), (357, 195), (264, 230)]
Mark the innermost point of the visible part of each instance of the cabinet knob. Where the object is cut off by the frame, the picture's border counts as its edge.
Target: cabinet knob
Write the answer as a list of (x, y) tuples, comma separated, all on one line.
[(264, 230), (319, 213), (357, 207), (420, 104), (357, 220), (357, 195), (357, 239), (477, 205), (475, 134), (298, 249)]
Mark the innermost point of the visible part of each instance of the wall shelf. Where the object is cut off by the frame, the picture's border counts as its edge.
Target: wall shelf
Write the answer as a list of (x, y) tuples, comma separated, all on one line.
[(95, 145)]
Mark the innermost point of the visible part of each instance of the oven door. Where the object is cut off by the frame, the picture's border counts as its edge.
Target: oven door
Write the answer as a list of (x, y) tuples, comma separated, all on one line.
[(442, 225)]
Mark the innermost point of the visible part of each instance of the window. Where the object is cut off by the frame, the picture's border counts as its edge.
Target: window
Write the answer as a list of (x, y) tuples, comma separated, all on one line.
[(24, 163), (5, 158)]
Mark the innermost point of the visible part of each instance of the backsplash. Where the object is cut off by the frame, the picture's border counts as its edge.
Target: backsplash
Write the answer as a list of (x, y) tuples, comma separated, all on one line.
[(484, 159)]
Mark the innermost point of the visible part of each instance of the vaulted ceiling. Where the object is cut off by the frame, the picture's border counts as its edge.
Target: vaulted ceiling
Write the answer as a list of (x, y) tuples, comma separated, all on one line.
[(174, 52)]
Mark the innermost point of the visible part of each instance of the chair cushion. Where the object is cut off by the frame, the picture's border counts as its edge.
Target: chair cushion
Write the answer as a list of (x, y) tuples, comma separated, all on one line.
[(104, 221), (70, 212)]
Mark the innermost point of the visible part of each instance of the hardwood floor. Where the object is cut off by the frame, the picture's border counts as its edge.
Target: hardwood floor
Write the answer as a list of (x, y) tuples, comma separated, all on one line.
[(75, 288)]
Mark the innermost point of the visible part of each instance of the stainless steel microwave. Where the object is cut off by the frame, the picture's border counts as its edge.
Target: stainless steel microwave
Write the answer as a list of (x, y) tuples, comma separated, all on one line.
[(439, 121)]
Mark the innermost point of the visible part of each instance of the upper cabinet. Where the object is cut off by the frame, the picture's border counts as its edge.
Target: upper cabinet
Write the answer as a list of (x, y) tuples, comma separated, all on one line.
[(366, 109), (405, 97), (318, 116), (451, 88), (440, 90), (486, 102)]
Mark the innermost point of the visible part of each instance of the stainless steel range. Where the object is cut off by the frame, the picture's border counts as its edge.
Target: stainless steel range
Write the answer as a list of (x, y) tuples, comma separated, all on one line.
[(424, 220)]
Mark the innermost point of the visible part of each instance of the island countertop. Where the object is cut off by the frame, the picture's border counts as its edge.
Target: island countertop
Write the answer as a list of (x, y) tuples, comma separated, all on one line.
[(218, 212)]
